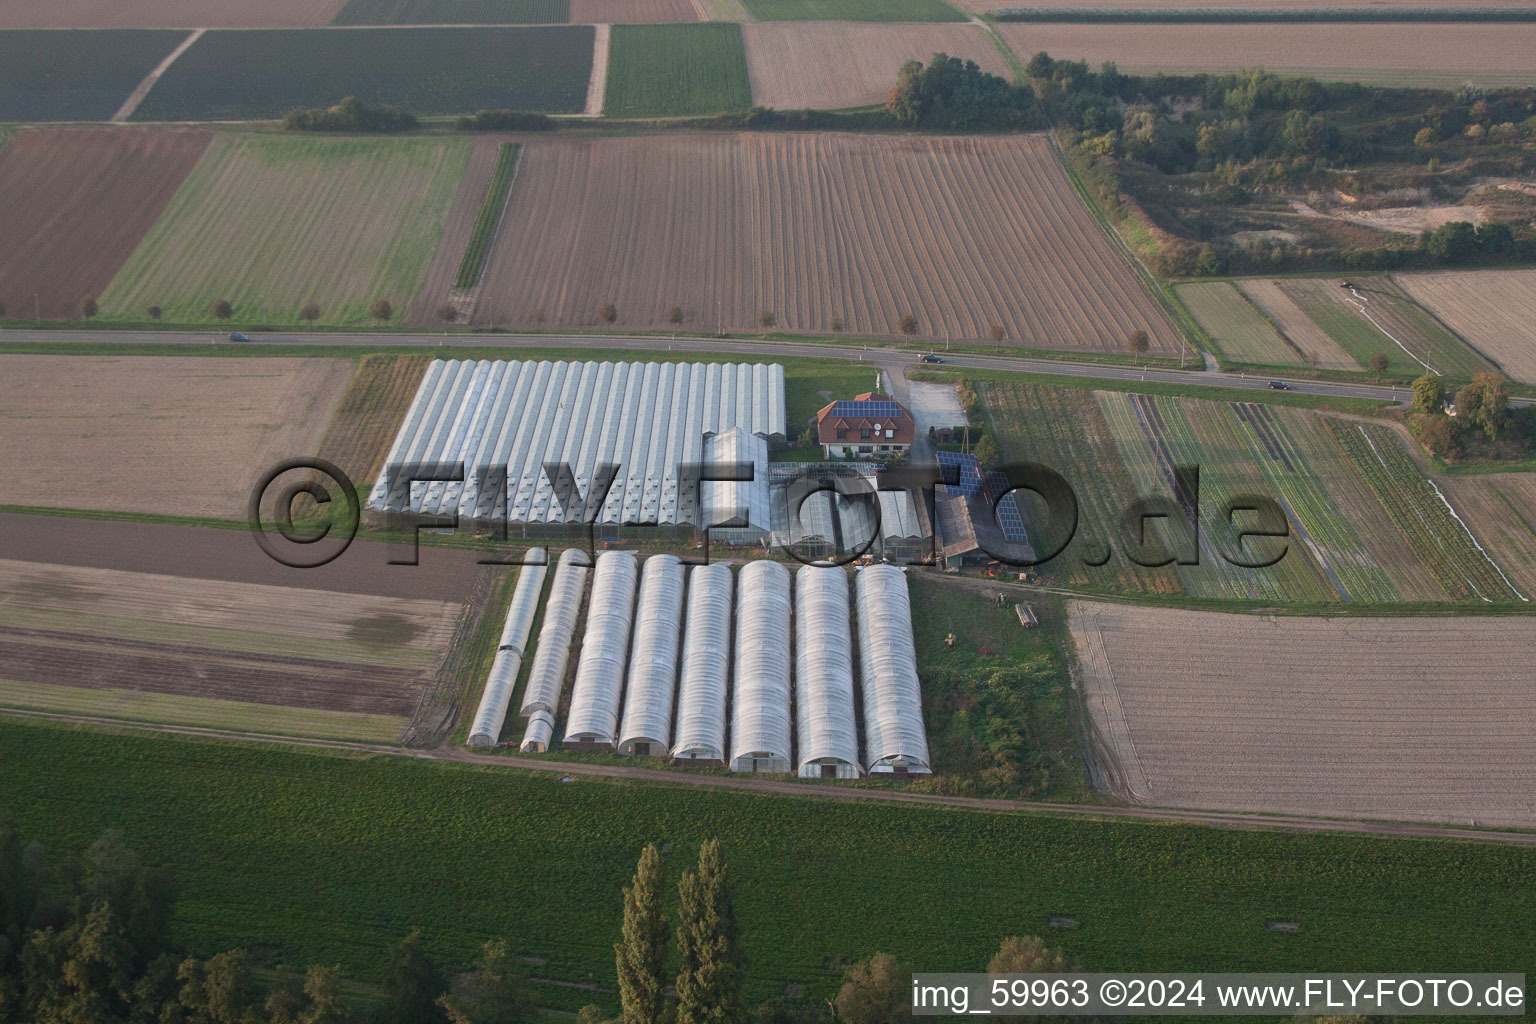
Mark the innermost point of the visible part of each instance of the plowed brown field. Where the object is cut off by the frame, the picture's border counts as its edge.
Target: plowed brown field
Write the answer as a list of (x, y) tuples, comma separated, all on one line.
[(167, 13), (1495, 310), (960, 233), (1442, 55), (825, 65), (1415, 719), (76, 204), (437, 285), (183, 436), (632, 12)]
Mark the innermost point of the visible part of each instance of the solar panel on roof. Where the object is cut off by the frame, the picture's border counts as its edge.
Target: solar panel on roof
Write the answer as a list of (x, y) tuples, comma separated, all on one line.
[(1008, 517), (969, 470), (887, 410)]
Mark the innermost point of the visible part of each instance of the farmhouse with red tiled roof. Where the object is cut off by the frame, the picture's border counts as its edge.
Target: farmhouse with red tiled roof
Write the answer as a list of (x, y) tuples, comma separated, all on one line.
[(870, 426)]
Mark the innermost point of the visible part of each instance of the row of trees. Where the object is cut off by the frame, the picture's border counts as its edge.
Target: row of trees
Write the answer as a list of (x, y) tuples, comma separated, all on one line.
[(350, 115), (223, 309), (955, 95)]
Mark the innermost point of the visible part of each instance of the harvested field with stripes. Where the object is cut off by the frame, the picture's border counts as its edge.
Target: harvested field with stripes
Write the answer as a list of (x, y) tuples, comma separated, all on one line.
[(272, 224), (177, 436), (369, 414), (210, 652), (819, 230), (1495, 310), (1318, 348), (1405, 54), (77, 204), (830, 65), (1247, 712), (167, 13), (634, 12), (1236, 327), (437, 286)]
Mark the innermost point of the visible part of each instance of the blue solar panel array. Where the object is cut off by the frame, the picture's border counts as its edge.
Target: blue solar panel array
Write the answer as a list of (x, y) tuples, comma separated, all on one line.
[(1008, 517), (970, 473), (878, 410)]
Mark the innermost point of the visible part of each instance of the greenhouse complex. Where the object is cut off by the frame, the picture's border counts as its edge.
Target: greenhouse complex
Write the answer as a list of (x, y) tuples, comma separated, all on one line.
[(754, 669)]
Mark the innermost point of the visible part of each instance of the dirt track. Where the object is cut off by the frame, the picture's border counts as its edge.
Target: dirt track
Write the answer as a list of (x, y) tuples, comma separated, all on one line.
[(77, 203)]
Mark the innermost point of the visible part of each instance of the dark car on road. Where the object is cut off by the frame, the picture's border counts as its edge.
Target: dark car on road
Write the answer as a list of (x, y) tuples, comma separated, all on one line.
[(237, 336), (929, 359), (1279, 385)]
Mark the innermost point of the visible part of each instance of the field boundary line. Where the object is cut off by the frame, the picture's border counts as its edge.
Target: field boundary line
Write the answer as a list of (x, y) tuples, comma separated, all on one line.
[(1361, 306), (1227, 819), (136, 97), (597, 84)]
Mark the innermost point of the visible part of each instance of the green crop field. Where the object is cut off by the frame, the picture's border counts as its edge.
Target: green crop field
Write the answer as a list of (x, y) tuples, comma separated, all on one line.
[(1392, 315), (486, 221), (676, 70), (264, 73), (1236, 327), (454, 12), (63, 75), (330, 859), (272, 223), (852, 10)]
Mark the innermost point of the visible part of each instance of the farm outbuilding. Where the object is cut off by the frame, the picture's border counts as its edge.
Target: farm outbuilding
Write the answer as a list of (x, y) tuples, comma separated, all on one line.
[(894, 738), (594, 717), (546, 677), (829, 739), (492, 713), (706, 660), (623, 431), (760, 721), (647, 726)]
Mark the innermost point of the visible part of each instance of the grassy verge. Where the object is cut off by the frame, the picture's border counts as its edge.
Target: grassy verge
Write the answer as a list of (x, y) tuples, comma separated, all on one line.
[(330, 859), (490, 216)]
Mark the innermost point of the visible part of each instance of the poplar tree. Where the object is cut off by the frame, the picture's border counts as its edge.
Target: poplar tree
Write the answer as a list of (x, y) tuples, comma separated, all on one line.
[(642, 955), (709, 983)]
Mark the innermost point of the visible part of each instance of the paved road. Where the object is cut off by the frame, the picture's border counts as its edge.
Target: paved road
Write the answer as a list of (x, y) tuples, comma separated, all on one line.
[(881, 356), (812, 790)]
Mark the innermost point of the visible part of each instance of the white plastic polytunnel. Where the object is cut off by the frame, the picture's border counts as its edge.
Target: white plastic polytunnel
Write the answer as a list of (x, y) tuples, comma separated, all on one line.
[(594, 717), (894, 738), (492, 713), (546, 677), (540, 731), (647, 726), (706, 659), (760, 726), (829, 738)]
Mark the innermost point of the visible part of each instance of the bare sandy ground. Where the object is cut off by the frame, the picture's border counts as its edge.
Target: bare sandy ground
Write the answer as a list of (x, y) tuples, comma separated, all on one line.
[(1495, 310), (1399, 53), (826, 65), (1409, 719), (182, 436), (167, 13)]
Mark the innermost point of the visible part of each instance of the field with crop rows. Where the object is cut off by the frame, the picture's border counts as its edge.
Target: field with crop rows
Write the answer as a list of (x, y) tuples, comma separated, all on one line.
[(676, 70), (370, 413), (826, 66), (852, 10), (1503, 507), (157, 435), (640, 12), (963, 234), (1247, 712), (454, 12), (1317, 347), (1400, 54), (274, 223), (247, 831), (490, 215), (75, 76), (1495, 310), (1237, 328), (265, 73), (166, 13), (1366, 320), (1419, 510), (78, 202)]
